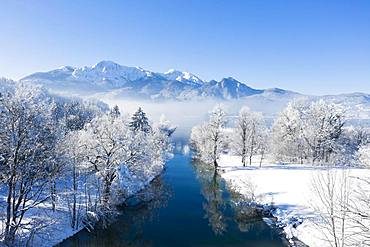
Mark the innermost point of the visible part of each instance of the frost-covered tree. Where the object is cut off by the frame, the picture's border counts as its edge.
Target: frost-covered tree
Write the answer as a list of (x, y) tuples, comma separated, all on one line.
[(76, 114), (115, 112), (105, 141), (287, 140), (263, 143), (27, 153), (364, 155), (116, 159), (74, 154), (140, 122), (333, 190), (322, 128), (147, 153), (208, 139), (56, 166), (165, 126), (249, 135), (308, 131)]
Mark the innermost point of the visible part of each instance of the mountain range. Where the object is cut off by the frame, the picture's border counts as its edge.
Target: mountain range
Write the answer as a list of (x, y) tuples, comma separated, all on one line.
[(108, 80), (135, 82)]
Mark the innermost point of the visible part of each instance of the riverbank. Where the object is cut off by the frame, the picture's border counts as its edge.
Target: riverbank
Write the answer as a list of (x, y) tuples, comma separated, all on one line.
[(189, 205), (55, 226), (289, 188)]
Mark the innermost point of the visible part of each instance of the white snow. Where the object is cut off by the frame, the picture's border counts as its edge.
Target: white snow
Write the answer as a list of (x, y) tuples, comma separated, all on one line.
[(288, 187)]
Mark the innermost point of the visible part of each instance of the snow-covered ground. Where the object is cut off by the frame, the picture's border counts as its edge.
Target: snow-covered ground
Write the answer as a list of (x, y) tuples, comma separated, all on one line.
[(289, 188)]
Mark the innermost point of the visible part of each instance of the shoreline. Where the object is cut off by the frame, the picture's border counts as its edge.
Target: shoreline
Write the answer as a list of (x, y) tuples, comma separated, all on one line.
[(289, 189), (145, 185)]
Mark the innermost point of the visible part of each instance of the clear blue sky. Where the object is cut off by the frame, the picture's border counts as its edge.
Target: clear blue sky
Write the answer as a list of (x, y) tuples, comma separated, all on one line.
[(314, 47)]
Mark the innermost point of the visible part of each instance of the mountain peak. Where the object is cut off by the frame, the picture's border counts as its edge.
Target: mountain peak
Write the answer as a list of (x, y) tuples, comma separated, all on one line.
[(173, 74), (230, 78), (106, 65), (171, 71), (67, 68)]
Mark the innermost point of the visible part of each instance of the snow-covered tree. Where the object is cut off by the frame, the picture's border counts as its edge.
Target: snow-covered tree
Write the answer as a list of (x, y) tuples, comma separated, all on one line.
[(364, 154), (333, 191), (287, 140), (74, 154), (76, 114), (139, 122), (27, 153), (106, 147), (308, 131), (115, 112), (322, 128), (165, 126), (250, 135), (116, 158), (208, 139)]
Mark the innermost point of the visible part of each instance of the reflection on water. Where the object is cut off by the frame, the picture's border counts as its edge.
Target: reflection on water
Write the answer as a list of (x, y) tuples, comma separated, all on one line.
[(219, 203), (214, 203), (187, 206), (128, 229)]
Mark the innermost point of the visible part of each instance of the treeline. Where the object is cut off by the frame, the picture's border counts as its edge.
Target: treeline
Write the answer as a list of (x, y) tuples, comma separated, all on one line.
[(304, 132), (66, 153)]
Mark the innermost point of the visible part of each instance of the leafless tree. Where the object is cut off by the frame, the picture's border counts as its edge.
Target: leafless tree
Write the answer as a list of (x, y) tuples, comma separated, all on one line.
[(26, 150), (332, 189)]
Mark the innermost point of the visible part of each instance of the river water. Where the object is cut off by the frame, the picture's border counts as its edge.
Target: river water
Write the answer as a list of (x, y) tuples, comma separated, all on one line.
[(188, 205)]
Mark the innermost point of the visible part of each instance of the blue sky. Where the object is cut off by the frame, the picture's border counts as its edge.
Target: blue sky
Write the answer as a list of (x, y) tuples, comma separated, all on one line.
[(313, 47)]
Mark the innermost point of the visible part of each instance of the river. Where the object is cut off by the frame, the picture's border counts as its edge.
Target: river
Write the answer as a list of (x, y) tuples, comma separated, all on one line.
[(188, 205)]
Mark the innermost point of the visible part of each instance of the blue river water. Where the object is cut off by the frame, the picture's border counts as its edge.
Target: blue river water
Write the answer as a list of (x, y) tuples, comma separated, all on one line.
[(188, 205)]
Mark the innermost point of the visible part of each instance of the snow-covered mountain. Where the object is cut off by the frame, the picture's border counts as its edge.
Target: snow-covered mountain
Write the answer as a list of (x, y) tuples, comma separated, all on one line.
[(135, 82), (110, 82)]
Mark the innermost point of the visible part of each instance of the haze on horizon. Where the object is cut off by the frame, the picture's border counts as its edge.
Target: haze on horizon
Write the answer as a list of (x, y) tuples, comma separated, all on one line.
[(312, 47)]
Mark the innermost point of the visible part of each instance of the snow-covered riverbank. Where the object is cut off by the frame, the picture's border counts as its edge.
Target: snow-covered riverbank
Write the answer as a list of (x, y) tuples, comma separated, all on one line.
[(289, 188), (56, 225)]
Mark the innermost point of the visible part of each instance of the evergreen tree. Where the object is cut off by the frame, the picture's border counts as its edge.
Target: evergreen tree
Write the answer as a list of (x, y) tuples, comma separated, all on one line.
[(139, 122), (114, 112)]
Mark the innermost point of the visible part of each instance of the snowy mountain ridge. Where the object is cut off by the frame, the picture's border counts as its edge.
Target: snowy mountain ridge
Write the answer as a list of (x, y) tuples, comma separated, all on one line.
[(140, 83), (112, 82)]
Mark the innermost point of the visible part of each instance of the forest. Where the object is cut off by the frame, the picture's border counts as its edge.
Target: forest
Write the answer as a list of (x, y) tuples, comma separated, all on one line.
[(66, 153)]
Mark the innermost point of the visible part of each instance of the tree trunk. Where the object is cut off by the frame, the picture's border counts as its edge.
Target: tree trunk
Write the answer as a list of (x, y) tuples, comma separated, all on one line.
[(106, 191), (244, 151), (261, 158), (251, 151), (9, 236), (215, 163), (53, 193), (215, 153), (74, 213)]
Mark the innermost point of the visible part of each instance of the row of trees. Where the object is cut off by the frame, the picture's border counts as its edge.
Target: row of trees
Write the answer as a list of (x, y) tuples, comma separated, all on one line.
[(101, 157), (247, 138), (304, 132)]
